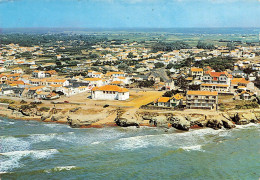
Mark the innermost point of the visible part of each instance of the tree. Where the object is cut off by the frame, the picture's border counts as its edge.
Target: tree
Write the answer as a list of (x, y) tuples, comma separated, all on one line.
[(146, 83), (97, 63), (248, 70), (203, 45), (182, 83), (94, 56), (158, 65), (162, 46), (194, 87), (130, 55), (169, 66), (231, 46), (123, 66)]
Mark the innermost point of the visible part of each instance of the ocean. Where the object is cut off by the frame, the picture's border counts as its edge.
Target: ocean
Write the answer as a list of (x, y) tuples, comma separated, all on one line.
[(36, 150)]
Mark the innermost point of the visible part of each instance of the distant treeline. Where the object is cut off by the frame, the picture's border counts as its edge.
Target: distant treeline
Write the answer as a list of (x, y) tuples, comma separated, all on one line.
[(162, 46), (50, 39)]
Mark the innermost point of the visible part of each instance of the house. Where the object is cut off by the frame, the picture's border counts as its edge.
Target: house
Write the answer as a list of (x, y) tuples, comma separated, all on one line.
[(94, 82), (217, 78), (115, 74), (2, 69), (33, 66), (94, 74), (242, 83), (62, 82), (51, 96), (125, 80), (82, 89), (50, 73), (109, 92), (215, 87), (202, 100), (238, 73), (117, 83), (17, 70), (245, 95), (38, 74), (162, 102), (32, 92), (196, 72), (6, 91), (173, 101)]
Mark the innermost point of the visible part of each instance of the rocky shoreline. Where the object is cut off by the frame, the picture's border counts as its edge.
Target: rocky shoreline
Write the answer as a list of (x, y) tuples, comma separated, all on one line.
[(137, 118)]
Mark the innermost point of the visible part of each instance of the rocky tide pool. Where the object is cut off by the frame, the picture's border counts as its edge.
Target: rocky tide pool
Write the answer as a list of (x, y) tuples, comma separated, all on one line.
[(36, 150)]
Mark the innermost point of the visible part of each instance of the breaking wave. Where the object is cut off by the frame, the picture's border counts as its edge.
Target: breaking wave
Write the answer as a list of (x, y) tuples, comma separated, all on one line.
[(193, 148), (60, 168), (11, 160)]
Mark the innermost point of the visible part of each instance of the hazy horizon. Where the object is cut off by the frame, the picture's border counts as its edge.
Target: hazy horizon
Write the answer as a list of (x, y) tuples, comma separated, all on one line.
[(129, 14)]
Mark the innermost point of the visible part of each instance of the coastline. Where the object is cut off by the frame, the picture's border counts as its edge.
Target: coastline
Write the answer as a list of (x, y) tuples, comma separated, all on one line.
[(140, 118)]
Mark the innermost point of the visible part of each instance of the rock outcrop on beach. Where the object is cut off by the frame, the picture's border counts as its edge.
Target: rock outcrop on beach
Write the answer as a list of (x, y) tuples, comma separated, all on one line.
[(126, 119), (45, 116), (74, 122), (77, 117), (160, 121), (180, 122), (57, 117), (245, 118), (123, 122), (219, 121)]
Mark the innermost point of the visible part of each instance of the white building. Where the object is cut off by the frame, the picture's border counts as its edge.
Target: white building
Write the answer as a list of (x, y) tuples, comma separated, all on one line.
[(93, 81), (110, 92), (17, 70), (38, 74)]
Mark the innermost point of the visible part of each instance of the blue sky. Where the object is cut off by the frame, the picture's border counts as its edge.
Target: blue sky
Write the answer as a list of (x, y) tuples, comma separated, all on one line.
[(129, 13)]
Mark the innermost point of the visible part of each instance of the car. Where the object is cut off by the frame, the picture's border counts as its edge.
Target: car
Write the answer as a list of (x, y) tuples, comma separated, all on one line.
[(66, 102)]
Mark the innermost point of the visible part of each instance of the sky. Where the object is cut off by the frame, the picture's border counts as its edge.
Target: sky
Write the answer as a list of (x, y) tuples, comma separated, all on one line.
[(129, 13)]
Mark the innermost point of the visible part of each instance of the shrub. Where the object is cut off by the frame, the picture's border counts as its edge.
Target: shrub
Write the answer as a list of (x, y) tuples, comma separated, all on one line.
[(8, 101), (221, 107), (23, 107), (44, 109), (23, 102)]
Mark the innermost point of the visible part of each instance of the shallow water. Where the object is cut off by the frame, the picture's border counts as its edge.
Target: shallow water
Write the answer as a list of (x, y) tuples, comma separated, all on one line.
[(35, 150)]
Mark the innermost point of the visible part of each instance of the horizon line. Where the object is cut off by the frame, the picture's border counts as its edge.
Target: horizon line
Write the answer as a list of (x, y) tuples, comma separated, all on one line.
[(117, 27)]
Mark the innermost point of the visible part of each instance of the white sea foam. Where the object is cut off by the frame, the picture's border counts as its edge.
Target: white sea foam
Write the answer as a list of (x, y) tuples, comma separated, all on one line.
[(67, 168), (37, 154), (96, 142), (193, 139), (136, 142), (13, 144), (12, 159), (6, 122), (35, 138), (247, 126), (60, 168), (56, 126), (193, 148)]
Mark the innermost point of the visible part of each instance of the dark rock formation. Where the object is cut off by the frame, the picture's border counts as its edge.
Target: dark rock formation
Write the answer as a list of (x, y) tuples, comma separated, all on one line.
[(245, 118), (180, 122), (123, 122)]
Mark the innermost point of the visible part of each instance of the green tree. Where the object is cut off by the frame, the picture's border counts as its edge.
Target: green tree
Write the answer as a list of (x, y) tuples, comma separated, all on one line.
[(130, 55), (182, 83), (158, 65)]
